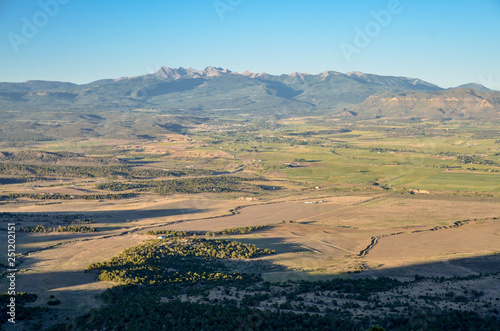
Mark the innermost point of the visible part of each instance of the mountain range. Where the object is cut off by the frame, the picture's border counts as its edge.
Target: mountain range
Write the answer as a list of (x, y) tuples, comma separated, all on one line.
[(217, 91)]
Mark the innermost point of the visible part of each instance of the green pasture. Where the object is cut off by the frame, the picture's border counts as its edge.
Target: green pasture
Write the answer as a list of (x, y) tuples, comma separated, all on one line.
[(460, 181), (410, 161)]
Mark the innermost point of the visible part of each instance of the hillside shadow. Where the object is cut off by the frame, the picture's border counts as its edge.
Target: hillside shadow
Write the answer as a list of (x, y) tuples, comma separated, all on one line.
[(56, 219), (281, 90), (459, 267), (455, 269), (79, 291), (105, 216), (70, 281), (13, 96)]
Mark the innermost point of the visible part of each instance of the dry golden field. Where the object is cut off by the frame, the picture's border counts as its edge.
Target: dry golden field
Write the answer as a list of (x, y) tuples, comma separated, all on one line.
[(312, 240)]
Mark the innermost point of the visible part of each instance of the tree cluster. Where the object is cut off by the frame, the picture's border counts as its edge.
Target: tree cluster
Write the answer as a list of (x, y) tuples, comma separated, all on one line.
[(177, 261), (182, 185), (47, 170), (474, 159), (239, 230), (43, 196)]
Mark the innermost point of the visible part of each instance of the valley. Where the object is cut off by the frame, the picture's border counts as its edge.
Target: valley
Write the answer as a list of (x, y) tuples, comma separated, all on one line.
[(335, 200)]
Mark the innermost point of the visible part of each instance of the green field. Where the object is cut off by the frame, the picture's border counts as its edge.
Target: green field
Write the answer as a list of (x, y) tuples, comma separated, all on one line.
[(414, 156), (460, 182)]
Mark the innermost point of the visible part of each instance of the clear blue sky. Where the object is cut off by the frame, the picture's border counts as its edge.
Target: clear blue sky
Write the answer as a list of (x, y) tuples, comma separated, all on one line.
[(448, 42)]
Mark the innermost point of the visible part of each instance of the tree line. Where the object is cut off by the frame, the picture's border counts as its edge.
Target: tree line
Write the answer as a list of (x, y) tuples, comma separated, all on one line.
[(43, 229), (39, 196), (48, 157), (231, 231), (47, 170), (181, 185), (238, 230), (172, 233)]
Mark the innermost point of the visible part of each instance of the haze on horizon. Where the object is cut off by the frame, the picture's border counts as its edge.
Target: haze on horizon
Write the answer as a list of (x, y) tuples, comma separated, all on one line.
[(446, 43)]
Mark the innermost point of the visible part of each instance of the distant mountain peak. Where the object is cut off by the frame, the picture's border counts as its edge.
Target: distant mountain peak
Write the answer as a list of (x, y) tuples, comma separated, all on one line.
[(328, 73), (213, 71), (474, 86), (300, 75), (250, 74), (176, 73), (355, 73), (170, 73), (247, 73)]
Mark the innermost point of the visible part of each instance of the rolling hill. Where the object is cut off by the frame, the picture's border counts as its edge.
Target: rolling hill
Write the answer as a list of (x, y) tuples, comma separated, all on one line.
[(444, 104)]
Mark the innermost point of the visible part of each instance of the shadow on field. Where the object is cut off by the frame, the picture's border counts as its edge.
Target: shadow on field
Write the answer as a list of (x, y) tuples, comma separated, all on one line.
[(64, 280), (462, 267), (53, 236), (106, 216), (77, 289), (80, 281), (449, 268)]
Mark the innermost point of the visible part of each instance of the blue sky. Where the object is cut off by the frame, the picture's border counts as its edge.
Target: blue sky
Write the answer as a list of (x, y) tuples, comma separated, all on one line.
[(444, 42)]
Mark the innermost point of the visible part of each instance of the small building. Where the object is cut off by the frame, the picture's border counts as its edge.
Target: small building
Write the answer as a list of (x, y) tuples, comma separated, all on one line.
[(163, 236)]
